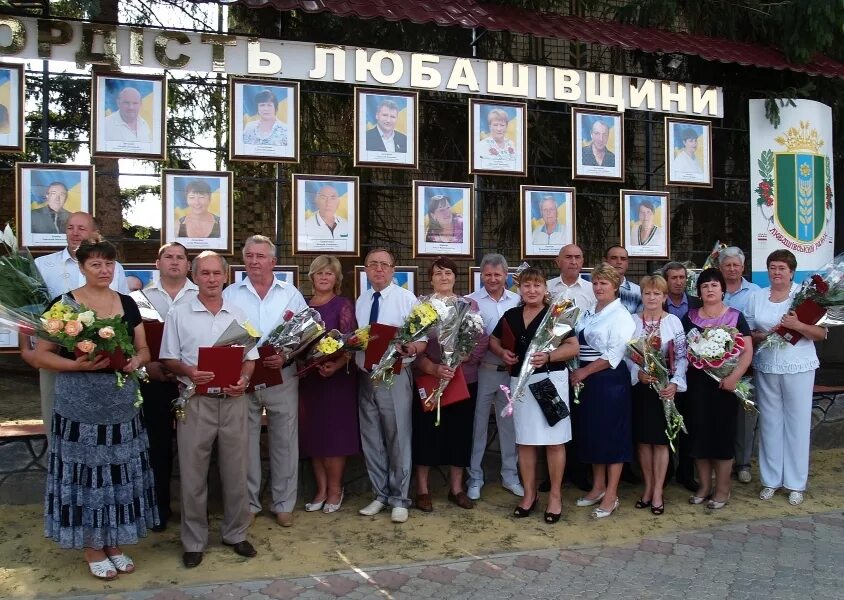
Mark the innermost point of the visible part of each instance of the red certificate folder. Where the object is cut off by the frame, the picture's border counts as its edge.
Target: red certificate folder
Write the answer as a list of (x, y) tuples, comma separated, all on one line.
[(225, 362), (116, 359), (508, 340), (154, 331), (264, 377), (455, 391), (380, 337), (809, 312)]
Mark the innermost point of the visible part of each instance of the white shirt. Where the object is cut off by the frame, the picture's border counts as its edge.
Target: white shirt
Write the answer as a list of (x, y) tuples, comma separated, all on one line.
[(316, 229), (580, 291), (684, 164), (190, 326), (393, 307), (608, 331), (116, 130), (389, 142), (491, 311), (670, 328), (265, 313), (61, 273), (541, 237), (162, 301)]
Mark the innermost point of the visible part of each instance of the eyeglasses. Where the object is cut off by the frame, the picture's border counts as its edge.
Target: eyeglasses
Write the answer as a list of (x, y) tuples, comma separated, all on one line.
[(378, 264)]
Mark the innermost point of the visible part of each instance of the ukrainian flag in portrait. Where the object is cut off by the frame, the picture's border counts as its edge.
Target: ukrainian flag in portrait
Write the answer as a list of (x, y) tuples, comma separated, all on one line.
[(560, 198), (455, 199), (250, 107), (113, 87), (180, 202), (5, 97), (512, 113), (372, 102), (41, 180), (311, 189)]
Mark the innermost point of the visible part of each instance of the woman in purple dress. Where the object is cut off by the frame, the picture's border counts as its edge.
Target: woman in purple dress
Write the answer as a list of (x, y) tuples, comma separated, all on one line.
[(328, 398)]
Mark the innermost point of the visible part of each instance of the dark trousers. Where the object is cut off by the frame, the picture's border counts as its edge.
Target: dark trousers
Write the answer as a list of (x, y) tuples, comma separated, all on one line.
[(685, 472), (158, 420), (577, 472)]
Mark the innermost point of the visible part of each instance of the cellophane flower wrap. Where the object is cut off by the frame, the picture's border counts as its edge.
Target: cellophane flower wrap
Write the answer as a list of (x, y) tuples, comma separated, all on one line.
[(646, 351), (711, 262), (23, 293), (558, 322), (419, 321), (332, 344), (458, 334), (716, 352), (296, 333), (573, 364), (826, 289)]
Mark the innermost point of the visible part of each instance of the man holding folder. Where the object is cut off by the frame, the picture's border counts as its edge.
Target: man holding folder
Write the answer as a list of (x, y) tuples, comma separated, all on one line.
[(385, 409), (209, 416)]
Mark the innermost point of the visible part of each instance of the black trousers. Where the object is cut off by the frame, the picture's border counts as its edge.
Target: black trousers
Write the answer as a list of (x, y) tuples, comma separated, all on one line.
[(685, 464), (158, 420)]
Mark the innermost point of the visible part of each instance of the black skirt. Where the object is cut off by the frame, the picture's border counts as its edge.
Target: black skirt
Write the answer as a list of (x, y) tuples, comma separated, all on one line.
[(449, 443), (648, 416)]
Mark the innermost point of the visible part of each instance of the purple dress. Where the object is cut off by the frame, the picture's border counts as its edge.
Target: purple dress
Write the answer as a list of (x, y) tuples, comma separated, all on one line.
[(328, 407)]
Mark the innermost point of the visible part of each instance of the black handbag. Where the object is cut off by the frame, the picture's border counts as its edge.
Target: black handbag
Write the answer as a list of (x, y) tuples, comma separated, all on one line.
[(553, 407)]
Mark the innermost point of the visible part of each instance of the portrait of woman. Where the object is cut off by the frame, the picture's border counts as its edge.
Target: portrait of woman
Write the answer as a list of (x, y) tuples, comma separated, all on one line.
[(199, 222), (442, 217), (643, 231), (688, 152), (264, 120), (267, 129), (197, 208), (498, 137), (644, 218), (443, 224)]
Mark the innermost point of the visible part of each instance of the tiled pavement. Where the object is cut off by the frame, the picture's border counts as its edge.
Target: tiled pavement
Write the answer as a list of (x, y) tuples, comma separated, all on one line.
[(773, 559)]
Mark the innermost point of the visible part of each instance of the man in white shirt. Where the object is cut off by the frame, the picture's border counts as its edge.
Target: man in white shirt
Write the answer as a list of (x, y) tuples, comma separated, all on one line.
[(222, 417), (629, 292), (550, 232), (264, 300), (493, 301), (570, 283), (171, 289), (127, 125), (326, 224), (385, 409)]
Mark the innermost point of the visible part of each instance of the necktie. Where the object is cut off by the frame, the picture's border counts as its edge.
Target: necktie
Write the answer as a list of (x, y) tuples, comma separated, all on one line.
[(56, 222), (373, 312)]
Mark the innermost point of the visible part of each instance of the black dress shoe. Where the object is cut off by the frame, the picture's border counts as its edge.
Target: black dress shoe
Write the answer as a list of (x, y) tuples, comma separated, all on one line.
[(191, 559), (159, 528), (243, 548)]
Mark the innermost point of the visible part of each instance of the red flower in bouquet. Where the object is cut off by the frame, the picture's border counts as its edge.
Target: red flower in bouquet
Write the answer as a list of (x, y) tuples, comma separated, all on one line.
[(820, 285)]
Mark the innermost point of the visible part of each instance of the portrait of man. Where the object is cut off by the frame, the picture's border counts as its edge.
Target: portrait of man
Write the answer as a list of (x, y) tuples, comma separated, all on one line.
[(596, 154), (52, 217), (688, 148), (384, 137), (325, 223), (645, 216), (11, 116), (126, 124), (547, 220), (385, 128), (598, 151), (129, 116), (551, 231), (325, 214)]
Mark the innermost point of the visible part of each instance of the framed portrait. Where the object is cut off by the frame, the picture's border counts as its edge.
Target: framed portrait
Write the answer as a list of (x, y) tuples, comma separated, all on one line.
[(547, 220), (12, 125), (140, 275), (476, 284), (325, 215), (403, 276), (47, 196), (597, 144), (9, 340), (197, 207), (128, 116), (498, 137), (688, 152), (284, 273), (264, 120), (386, 126), (442, 217), (645, 218)]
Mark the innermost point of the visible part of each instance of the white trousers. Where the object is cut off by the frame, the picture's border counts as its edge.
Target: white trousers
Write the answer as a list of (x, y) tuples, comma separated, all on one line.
[(785, 422), (491, 396)]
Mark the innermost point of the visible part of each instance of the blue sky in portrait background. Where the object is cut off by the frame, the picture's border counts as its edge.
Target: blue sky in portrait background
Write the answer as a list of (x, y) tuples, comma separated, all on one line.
[(40, 180), (454, 195), (635, 201), (250, 107), (679, 128), (145, 275), (6, 96), (401, 279), (180, 204), (512, 113), (536, 214), (313, 186), (113, 87), (586, 129), (372, 102)]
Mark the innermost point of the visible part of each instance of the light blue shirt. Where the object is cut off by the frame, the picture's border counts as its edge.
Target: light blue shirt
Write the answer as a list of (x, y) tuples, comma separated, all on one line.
[(741, 296)]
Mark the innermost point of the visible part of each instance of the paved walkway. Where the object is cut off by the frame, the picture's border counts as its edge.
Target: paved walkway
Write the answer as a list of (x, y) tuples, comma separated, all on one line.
[(770, 559)]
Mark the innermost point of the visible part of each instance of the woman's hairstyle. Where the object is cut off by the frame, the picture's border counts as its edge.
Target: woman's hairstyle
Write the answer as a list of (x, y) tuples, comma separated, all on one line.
[(96, 247), (265, 96), (654, 282), (437, 202), (496, 114), (711, 274), (535, 275), (198, 186), (688, 134), (442, 262), (607, 272), (647, 204), (785, 256), (324, 262)]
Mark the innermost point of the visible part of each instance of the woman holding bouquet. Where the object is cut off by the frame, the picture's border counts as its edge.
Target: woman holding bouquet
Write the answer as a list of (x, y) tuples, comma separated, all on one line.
[(785, 376), (450, 442), (665, 331), (521, 325), (100, 492), (711, 405), (603, 422), (328, 398)]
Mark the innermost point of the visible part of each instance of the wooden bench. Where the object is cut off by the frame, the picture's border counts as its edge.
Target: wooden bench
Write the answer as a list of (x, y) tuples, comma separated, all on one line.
[(29, 434)]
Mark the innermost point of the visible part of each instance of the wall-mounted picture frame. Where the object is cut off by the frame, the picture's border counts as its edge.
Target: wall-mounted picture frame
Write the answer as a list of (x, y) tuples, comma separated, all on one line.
[(9, 340), (263, 120), (597, 144), (386, 128), (140, 275), (645, 223), (475, 282), (284, 273), (442, 217), (547, 220), (325, 215), (498, 137), (197, 209), (47, 196), (403, 276), (12, 100), (129, 116), (688, 152)]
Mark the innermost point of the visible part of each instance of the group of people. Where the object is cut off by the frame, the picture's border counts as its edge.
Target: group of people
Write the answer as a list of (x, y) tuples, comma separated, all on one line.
[(100, 441)]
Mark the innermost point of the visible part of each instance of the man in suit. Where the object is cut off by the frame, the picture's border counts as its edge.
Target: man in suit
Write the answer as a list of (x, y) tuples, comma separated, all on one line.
[(52, 217), (384, 137), (597, 154)]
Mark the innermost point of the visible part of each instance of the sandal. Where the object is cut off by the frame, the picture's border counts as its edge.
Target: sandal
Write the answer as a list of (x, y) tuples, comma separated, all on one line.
[(658, 510), (101, 569), (643, 504), (122, 563)]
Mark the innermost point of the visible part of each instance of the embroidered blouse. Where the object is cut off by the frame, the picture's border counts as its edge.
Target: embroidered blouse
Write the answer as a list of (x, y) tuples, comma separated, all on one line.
[(670, 329)]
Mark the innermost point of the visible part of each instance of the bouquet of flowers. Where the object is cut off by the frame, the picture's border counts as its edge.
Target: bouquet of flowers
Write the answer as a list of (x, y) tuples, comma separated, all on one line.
[(715, 351), (646, 351), (573, 364), (710, 262), (23, 293), (558, 322), (331, 344), (419, 321), (296, 333), (819, 301), (458, 334)]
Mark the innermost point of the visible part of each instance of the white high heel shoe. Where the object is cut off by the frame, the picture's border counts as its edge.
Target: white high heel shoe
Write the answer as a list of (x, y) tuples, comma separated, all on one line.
[(330, 508), (314, 506)]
